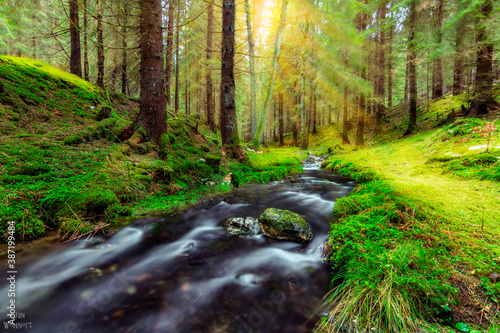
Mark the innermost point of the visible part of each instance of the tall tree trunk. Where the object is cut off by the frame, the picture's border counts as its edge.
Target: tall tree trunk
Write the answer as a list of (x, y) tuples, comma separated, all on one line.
[(381, 78), (437, 65), (269, 95), (85, 43), (345, 118), (75, 62), (100, 46), (124, 50), (187, 94), (295, 125), (152, 113), (303, 128), (407, 77), (389, 63), (252, 68), (177, 31), (412, 52), (114, 73), (210, 112), (459, 58), (484, 68), (170, 48), (360, 121), (228, 120), (315, 114), (281, 125)]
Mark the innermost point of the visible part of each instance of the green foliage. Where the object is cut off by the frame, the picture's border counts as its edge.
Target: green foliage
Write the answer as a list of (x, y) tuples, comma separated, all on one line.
[(389, 274), (479, 166), (349, 169)]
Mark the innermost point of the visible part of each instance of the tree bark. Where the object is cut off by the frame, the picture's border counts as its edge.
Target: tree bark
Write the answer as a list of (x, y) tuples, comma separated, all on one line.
[(228, 121), (100, 46), (177, 32), (458, 74), (345, 118), (281, 125), (484, 68), (152, 113), (389, 63), (124, 50), (381, 77), (412, 52), (210, 111), (170, 48), (437, 68), (315, 114), (303, 128), (269, 95), (252, 68), (360, 121), (85, 43), (75, 63)]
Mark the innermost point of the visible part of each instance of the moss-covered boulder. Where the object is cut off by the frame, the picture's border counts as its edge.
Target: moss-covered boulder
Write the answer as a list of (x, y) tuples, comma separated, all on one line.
[(242, 226), (285, 225)]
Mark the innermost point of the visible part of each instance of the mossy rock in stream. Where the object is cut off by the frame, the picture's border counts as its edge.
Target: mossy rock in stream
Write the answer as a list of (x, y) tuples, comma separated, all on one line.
[(285, 225)]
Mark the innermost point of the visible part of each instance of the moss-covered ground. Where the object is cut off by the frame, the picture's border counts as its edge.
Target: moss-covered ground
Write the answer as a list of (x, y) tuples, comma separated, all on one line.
[(63, 167), (415, 243)]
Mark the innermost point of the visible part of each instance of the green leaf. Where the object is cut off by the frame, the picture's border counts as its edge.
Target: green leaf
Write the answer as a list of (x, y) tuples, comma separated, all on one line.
[(463, 327)]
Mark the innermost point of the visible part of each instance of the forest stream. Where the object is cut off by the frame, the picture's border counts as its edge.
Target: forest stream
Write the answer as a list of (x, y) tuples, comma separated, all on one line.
[(183, 273)]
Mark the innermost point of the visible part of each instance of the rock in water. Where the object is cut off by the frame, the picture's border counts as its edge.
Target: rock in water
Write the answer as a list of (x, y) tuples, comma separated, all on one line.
[(242, 226), (285, 225)]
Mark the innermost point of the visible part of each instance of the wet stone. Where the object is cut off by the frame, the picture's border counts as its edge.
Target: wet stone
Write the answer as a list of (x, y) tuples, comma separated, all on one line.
[(285, 225), (242, 226)]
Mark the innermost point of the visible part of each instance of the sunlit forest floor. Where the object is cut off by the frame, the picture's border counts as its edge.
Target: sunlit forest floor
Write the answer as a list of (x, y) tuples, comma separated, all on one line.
[(443, 172)]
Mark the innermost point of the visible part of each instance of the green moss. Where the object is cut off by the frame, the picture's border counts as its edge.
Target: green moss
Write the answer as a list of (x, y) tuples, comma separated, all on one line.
[(281, 219), (73, 140)]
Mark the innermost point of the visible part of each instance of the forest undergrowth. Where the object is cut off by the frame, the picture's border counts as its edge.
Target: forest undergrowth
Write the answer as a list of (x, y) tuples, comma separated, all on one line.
[(415, 244), (64, 166)]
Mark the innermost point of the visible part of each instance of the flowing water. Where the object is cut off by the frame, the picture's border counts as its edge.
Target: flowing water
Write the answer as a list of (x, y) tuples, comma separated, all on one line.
[(183, 273)]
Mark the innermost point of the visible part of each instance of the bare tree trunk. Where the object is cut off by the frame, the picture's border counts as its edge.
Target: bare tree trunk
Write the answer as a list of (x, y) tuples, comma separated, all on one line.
[(170, 47), (124, 50), (381, 77), (252, 69), (389, 63), (295, 125), (177, 31), (484, 68), (152, 113), (100, 46), (75, 63), (345, 118), (281, 125), (303, 128), (459, 59), (187, 94), (85, 43), (412, 52), (269, 95), (315, 114), (360, 121), (437, 68), (407, 77), (114, 73), (210, 112), (228, 121)]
